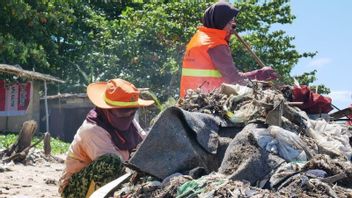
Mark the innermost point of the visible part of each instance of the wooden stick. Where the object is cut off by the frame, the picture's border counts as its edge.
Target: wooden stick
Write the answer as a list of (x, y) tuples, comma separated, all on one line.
[(143, 89), (247, 46), (109, 187), (341, 113), (47, 145), (334, 178), (294, 103), (22, 153)]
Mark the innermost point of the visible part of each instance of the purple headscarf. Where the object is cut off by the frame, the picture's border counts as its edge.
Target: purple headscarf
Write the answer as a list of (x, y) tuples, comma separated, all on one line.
[(127, 139), (218, 15)]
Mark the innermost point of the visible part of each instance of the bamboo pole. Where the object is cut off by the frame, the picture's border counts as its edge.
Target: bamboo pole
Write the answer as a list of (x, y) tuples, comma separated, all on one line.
[(46, 106), (248, 47)]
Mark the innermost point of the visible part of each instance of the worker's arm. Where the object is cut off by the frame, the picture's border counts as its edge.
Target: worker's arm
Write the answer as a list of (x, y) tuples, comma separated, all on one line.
[(265, 73), (97, 142), (222, 59)]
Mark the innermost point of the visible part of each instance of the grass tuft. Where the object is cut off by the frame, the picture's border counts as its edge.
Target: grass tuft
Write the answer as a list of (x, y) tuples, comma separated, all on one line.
[(57, 146)]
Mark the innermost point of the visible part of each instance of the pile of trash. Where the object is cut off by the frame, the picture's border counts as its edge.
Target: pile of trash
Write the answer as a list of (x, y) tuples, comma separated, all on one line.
[(36, 156), (241, 141)]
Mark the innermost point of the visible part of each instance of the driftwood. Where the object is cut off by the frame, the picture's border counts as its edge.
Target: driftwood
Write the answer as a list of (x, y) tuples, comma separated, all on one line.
[(333, 179), (22, 143), (22, 155), (47, 146), (341, 113)]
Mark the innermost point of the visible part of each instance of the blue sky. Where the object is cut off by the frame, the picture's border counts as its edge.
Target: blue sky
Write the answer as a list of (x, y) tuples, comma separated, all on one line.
[(325, 26)]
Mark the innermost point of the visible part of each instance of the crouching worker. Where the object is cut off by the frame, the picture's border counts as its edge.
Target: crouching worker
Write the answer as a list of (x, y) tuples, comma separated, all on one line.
[(105, 138)]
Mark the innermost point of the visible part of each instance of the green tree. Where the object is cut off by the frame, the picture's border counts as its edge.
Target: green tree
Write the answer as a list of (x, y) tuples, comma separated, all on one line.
[(152, 40), (273, 47), (63, 38), (24, 30), (87, 45), (150, 43), (141, 41), (309, 77)]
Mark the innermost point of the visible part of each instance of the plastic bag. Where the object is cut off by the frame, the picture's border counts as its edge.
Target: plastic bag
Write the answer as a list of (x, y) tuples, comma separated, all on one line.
[(286, 144), (238, 91), (331, 138)]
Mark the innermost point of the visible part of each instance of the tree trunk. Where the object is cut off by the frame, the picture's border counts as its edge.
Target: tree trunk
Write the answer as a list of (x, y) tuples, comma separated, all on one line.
[(47, 145), (23, 141)]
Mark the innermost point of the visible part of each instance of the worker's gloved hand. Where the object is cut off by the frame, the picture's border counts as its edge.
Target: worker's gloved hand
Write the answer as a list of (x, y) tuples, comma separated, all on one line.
[(263, 74), (266, 73)]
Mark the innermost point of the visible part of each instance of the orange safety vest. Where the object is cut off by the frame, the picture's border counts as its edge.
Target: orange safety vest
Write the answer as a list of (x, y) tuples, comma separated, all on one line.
[(198, 70)]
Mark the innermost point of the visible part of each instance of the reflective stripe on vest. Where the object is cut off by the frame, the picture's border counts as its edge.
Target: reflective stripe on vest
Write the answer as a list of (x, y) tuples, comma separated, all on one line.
[(201, 72), (119, 103)]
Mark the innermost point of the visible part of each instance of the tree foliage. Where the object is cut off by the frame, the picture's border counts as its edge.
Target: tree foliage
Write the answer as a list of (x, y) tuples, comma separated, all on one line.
[(141, 41), (275, 48), (151, 41), (309, 77)]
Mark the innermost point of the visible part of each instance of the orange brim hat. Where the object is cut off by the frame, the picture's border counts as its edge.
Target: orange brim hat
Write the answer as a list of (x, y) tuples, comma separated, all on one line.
[(115, 93)]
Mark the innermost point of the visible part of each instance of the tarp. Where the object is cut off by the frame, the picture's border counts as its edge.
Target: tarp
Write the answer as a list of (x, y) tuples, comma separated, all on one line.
[(178, 142), (313, 103), (14, 98)]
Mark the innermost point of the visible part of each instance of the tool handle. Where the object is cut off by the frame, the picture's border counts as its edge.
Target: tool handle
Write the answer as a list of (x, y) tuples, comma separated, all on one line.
[(256, 58)]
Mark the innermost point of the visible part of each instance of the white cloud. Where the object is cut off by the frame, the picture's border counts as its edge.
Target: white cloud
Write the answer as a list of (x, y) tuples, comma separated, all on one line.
[(341, 98), (320, 62)]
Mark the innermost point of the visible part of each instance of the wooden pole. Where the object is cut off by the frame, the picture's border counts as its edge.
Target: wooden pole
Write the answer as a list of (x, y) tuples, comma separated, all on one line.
[(46, 106), (247, 46)]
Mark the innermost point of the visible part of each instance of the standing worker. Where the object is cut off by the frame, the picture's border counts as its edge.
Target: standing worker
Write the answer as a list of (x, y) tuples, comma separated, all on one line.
[(208, 61), (105, 139)]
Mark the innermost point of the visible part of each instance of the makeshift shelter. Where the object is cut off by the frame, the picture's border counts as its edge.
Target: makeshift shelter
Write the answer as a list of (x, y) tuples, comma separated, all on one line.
[(10, 120), (67, 112)]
